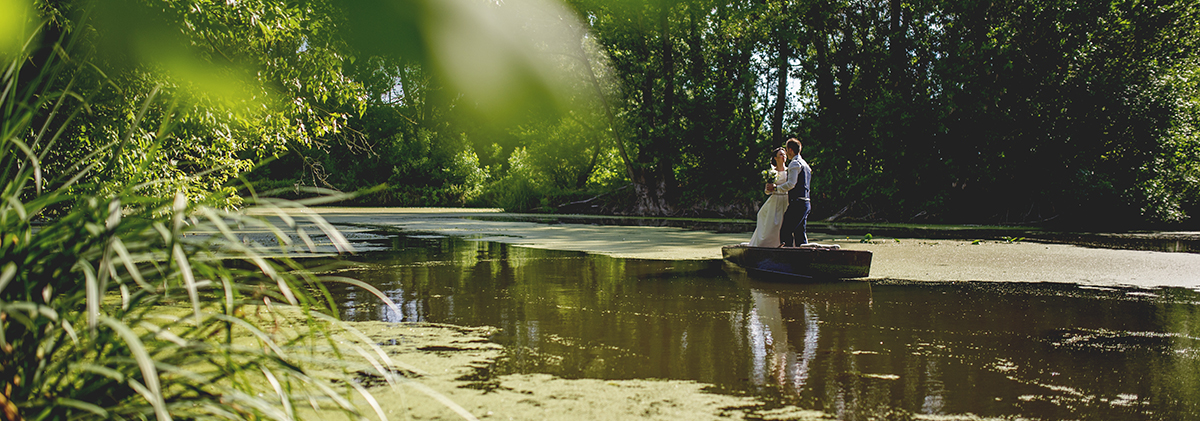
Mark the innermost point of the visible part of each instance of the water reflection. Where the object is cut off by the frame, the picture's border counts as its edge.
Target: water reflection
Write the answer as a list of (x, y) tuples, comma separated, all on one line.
[(777, 361), (855, 350)]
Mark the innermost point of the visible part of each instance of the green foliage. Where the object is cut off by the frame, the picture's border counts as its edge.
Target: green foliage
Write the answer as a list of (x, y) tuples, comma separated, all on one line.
[(521, 189), (689, 103), (562, 152), (1009, 112), (125, 291), (966, 111), (251, 80), (1172, 190), (439, 103), (125, 303), (237, 83)]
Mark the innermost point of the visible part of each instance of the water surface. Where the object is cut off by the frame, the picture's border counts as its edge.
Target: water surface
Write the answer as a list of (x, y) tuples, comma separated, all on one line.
[(854, 349)]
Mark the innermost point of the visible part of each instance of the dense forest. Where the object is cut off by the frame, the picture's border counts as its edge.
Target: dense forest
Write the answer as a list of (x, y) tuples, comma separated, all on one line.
[(1011, 111)]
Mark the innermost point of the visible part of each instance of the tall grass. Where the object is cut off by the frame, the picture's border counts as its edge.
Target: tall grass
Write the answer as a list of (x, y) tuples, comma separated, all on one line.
[(119, 304)]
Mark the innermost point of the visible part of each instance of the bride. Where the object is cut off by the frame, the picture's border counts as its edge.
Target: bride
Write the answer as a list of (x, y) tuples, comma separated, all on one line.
[(770, 215)]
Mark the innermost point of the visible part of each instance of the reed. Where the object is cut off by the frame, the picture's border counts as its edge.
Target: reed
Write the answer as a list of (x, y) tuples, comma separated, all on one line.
[(119, 303)]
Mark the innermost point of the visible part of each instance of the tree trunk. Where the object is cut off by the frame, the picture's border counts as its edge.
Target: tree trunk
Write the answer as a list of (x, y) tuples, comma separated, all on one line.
[(646, 170), (653, 179), (651, 190), (825, 89), (649, 193), (749, 90), (897, 44), (582, 178), (668, 70), (782, 46), (695, 48), (612, 123)]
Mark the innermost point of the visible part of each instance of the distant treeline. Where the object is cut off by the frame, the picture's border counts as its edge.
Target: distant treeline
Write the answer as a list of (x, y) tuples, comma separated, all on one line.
[(1012, 111), (965, 111), (1024, 111)]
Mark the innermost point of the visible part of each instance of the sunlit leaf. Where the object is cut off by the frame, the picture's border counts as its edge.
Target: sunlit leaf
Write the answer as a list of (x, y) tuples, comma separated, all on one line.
[(16, 25)]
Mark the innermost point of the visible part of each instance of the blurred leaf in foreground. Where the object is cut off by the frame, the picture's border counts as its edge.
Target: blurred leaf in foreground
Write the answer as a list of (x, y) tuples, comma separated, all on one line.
[(506, 57), (16, 18)]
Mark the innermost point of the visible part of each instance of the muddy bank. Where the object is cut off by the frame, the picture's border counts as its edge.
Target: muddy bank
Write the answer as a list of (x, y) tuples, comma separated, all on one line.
[(1176, 241)]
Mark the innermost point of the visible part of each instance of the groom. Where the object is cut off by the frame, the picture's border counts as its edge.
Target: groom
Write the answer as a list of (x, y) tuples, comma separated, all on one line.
[(795, 220)]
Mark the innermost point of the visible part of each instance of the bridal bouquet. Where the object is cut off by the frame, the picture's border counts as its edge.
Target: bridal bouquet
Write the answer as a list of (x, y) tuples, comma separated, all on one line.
[(769, 175), (769, 178)]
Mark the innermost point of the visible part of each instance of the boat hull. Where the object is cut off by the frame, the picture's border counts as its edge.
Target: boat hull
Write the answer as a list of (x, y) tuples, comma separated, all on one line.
[(801, 262)]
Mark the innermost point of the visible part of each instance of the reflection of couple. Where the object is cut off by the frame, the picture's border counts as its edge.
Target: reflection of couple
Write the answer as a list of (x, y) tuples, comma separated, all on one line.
[(779, 357), (783, 218)]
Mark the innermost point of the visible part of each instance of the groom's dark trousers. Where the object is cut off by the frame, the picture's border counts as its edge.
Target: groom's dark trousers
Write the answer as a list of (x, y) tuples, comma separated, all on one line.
[(795, 223)]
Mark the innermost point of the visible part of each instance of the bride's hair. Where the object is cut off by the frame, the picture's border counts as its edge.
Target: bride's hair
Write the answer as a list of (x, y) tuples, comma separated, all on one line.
[(774, 152)]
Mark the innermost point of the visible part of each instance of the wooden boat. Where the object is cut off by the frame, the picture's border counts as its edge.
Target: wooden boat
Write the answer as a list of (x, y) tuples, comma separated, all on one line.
[(806, 262)]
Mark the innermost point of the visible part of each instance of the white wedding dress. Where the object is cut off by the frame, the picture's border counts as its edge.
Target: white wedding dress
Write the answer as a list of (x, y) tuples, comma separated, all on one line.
[(770, 216)]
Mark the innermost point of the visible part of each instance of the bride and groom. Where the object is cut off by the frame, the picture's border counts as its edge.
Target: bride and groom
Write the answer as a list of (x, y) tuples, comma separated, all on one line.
[(783, 218)]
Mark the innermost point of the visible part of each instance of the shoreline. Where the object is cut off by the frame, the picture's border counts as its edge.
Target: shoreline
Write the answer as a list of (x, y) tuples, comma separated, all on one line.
[(904, 258), (1146, 240)]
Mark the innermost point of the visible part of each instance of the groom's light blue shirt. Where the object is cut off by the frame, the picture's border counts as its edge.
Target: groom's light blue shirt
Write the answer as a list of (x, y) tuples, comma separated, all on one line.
[(795, 168)]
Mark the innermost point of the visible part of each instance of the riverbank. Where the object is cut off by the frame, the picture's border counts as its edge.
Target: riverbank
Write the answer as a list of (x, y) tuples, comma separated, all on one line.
[(927, 255)]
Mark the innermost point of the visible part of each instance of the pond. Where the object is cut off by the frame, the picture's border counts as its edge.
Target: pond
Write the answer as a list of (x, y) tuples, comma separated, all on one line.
[(880, 349)]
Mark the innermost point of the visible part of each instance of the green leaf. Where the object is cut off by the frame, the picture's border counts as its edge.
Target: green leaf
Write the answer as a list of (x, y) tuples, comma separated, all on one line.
[(97, 410), (150, 389)]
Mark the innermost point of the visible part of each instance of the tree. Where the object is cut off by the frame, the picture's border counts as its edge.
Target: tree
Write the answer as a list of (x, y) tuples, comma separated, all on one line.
[(999, 111)]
